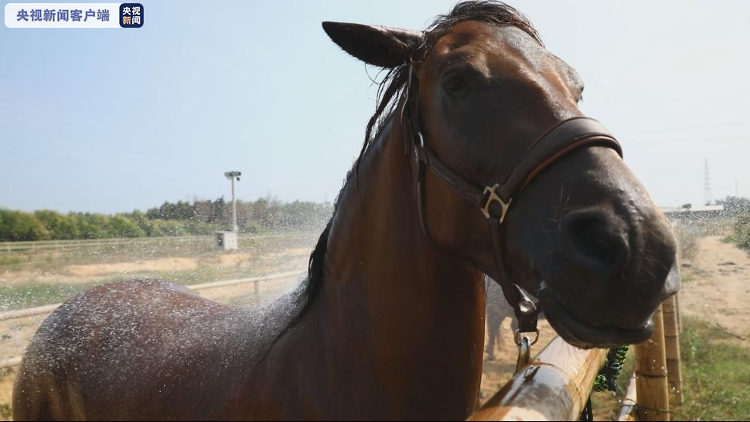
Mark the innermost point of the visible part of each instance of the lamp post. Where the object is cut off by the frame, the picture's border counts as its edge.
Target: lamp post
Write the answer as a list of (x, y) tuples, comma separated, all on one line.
[(232, 175)]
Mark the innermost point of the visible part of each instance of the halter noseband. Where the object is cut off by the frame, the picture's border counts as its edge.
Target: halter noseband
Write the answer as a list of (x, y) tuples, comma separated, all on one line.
[(495, 201)]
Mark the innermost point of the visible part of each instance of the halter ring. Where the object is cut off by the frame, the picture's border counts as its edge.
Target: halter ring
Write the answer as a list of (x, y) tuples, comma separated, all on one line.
[(519, 336)]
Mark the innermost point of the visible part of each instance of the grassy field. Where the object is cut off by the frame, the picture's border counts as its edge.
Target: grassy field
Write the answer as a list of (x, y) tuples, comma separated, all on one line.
[(716, 374), (119, 250), (42, 277), (716, 377)]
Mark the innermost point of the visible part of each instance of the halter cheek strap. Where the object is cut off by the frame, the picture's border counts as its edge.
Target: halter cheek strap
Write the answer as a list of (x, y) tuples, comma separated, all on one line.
[(496, 201)]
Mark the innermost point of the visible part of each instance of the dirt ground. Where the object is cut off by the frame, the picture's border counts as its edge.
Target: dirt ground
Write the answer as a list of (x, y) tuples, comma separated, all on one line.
[(164, 264), (716, 288), (88, 273), (84, 274)]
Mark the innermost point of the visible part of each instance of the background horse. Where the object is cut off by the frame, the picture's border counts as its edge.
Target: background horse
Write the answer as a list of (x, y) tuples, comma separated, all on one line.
[(398, 270), (498, 309)]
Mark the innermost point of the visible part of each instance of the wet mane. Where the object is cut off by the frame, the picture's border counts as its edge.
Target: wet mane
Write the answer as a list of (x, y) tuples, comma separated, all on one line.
[(390, 92)]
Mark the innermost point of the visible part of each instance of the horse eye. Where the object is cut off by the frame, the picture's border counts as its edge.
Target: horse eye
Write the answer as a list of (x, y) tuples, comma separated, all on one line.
[(455, 83)]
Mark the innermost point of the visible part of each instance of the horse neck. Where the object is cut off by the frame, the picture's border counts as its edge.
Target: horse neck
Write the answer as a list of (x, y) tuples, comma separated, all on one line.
[(409, 315)]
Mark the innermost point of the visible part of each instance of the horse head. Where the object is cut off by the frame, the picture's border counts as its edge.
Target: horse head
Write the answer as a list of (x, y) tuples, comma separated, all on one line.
[(480, 97)]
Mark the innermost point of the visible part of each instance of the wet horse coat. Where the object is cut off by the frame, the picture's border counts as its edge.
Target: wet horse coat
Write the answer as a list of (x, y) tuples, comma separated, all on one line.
[(351, 341)]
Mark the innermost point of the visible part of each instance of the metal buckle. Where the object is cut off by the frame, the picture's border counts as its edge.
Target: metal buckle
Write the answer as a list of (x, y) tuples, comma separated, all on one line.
[(494, 197)]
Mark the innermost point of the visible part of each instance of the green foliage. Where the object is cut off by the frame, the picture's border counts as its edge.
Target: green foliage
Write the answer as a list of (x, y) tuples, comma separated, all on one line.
[(716, 376), (60, 227), (170, 219), (608, 376), (120, 226), (171, 228), (263, 214), (21, 226), (91, 226), (741, 234)]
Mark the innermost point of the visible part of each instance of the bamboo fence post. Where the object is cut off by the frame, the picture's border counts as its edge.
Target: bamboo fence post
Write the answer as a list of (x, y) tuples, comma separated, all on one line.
[(652, 388), (677, 310), (672, 343)]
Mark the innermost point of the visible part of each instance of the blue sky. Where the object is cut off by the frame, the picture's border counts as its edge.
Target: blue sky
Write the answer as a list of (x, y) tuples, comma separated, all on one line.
[(113, 120)]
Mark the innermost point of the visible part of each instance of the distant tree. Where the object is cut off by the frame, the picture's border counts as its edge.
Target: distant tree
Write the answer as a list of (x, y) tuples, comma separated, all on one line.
[(169, 219), (735, 204), (140, 219), (92, 226), (120, 226), (202, 211), (153, 214), (219, 212), (21, 226), (172, 228), (183, 211), (60, 227)]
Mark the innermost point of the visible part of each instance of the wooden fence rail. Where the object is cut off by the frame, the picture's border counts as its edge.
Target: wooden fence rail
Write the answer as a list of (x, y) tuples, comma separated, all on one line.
[(561, 375)]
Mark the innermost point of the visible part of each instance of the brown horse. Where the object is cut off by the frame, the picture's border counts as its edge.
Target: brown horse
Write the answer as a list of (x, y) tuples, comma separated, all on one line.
[(478, 90)]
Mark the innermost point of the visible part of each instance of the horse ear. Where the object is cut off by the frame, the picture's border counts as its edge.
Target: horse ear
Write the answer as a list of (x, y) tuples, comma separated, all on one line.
[(375, 45)]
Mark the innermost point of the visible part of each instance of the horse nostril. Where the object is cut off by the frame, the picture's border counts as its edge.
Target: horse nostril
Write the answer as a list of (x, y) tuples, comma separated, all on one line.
[(596, 240)]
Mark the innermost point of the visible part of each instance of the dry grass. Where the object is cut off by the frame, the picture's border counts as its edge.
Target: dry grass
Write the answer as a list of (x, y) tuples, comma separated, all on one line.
[(62, 275)]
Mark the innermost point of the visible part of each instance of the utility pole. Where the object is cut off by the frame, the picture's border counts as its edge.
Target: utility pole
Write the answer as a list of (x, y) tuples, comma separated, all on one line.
[(707, 185), (232, 175)]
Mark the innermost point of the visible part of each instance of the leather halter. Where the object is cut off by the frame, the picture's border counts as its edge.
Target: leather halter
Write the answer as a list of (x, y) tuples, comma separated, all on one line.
[(495, 201)]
